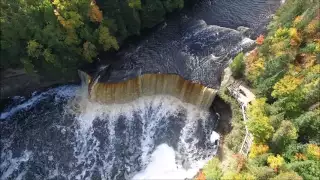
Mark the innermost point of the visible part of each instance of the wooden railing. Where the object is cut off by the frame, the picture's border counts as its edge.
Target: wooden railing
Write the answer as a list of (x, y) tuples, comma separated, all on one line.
[(240, 94), (248, 139)]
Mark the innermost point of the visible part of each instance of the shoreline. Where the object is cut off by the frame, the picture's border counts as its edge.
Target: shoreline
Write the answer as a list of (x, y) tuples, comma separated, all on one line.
[(17, 82)]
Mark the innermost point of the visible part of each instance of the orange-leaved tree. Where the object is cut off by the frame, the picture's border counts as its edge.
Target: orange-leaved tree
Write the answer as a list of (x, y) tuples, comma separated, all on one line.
[(94, 13), (260, 39), (201, 176)]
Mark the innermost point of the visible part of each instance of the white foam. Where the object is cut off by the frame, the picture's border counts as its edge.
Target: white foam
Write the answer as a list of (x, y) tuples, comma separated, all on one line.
[(59, 92), (214, 137), (152, 112), (24, 105), (9, 164), (246, 41), (163, 166), (21, 175), (162, 107)]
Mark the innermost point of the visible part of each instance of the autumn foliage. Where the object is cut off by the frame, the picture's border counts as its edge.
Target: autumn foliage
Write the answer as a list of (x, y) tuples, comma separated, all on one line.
[(241, 161), (313, 151), (260, 40), (300, 157), (284, 73), (286, 85), (201, 176), (258, 149), (254, 65), (94, 13), (275, 162)]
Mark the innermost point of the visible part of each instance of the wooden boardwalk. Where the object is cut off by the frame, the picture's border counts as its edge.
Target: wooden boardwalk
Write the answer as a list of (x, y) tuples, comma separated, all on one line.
[(244, 96), (248, 139)]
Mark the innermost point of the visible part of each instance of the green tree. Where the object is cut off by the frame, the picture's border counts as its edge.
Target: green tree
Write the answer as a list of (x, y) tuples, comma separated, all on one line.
[(152, 13), (50, 33), (48, 56), (258, 121), (212, 169), (235, 137), (131, 20), (237, 66), (287, 176), (171, 5), (135, 4), (284, 135), (292, 150), (285, 70), (89, 51), (237, 176), (34, 49), (261, 173), (50, 36), (307, 169), (106, 40), (309, 125)]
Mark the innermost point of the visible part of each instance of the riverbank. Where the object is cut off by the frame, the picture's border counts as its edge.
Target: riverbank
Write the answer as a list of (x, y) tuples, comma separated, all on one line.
[(283, 71), (16, 82), (231, 98), (224, 154)]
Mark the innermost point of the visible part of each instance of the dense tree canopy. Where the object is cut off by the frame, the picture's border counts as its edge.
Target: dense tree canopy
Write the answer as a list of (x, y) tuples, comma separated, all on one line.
[(54, 37), (284, 72)]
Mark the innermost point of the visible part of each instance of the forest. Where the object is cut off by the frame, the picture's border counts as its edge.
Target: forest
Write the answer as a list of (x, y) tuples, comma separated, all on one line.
[(284, 73), (55, 37)]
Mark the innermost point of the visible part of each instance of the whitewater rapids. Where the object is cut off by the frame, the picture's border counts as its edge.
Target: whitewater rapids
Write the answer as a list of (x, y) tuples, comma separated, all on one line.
[(62, 135)]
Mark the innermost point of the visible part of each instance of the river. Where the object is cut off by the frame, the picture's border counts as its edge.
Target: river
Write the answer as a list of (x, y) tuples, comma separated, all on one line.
[(61, 134)]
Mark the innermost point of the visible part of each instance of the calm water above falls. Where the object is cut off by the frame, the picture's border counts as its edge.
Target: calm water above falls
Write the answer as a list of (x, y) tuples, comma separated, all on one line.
[(196, 45), (59, 134)]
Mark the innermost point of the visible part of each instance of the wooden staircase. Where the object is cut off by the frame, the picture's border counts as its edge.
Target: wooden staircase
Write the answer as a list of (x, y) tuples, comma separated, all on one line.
[(248, 139), (244, 96)]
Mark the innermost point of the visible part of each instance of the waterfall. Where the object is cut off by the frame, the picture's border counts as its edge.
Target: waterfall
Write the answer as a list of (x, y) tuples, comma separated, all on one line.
[(145, 117), (64, 135), (124, 138), (150, 85)]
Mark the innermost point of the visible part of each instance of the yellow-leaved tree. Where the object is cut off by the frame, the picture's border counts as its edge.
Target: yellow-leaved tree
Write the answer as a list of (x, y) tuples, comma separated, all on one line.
[(286, 86), (254, 65), (258, 121), (295, 37), (258, 149), (313, 152), (275, 162)]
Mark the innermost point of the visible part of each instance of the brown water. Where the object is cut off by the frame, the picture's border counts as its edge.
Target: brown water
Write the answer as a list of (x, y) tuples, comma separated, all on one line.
[(60, 134), (150, 85)]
